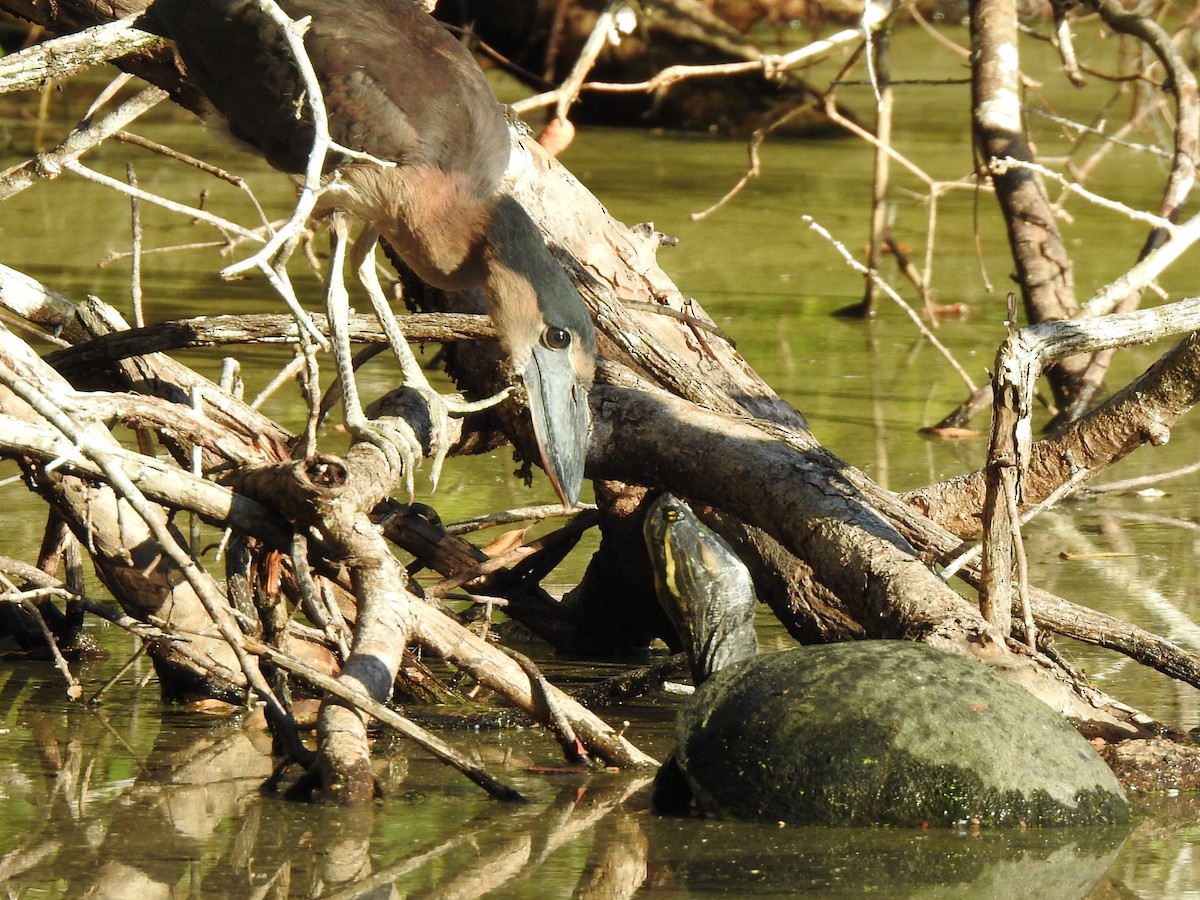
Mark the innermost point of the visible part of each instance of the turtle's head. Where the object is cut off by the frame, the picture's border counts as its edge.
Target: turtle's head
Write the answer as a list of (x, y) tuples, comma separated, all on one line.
[(702, 586)]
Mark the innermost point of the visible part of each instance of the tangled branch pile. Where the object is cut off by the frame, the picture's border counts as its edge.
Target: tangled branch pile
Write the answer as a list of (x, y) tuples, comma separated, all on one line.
[(835, 555)]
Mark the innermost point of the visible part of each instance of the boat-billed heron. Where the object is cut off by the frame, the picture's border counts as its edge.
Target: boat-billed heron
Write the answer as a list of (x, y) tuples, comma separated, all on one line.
[(398, 87)]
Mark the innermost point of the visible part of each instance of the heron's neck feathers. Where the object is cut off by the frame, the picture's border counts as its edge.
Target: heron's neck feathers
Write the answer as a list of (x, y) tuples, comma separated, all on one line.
[(430, 217), (455, 239)]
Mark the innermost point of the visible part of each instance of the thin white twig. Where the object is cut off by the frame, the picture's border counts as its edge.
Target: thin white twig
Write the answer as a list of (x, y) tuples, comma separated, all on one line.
[(224, 225), (110, 90), (83, 137), (284, 375), (1146, 270), (895, 297), (1080, 128), (1000, 166)]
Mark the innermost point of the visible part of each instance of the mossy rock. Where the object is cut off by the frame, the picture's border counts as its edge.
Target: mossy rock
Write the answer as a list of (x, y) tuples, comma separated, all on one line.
[(883, 732)]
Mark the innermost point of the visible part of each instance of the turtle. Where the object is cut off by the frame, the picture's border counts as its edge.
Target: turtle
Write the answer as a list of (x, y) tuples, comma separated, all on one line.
[(868, 732)]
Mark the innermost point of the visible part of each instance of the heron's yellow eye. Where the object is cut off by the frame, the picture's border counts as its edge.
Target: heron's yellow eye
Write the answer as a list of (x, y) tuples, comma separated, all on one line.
[(556, 338)]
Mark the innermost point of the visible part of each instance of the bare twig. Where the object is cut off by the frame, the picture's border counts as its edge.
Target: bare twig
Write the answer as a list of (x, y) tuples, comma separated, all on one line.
[(1000, 166), (82, 138), (895, 297), (1141, 481), (224, 225), (510, 516), (618, 19), (880, 69), (23, 599), (753, 170), (237, 181), (135, 274), (769, 65)]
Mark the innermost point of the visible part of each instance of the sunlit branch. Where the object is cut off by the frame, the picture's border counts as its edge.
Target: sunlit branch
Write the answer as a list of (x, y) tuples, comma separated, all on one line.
[(82, 138), (60, 57), (1000, 166)]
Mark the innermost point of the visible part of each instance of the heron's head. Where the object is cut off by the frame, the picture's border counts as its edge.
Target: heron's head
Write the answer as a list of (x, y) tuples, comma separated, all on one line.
[(549, 337)]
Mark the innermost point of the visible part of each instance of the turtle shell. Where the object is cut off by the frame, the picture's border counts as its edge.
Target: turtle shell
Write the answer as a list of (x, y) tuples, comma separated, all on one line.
[(883, 732)]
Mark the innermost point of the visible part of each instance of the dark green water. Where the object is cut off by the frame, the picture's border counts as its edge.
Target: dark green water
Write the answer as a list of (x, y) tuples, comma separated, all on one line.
[(134, 800)]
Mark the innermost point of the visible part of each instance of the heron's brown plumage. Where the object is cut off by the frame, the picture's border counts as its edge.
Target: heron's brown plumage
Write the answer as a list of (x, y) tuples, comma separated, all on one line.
[(397, 86)]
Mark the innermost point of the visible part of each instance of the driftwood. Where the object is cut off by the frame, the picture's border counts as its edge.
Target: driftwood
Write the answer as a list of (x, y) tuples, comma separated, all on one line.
[(676, 408)]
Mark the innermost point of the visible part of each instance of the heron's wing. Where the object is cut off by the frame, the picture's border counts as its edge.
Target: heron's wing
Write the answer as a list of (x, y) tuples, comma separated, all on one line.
[(396, 84)]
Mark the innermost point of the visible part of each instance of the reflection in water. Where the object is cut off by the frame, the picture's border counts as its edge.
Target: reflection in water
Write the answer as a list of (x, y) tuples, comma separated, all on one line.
[(836, 862), (189, 821)]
